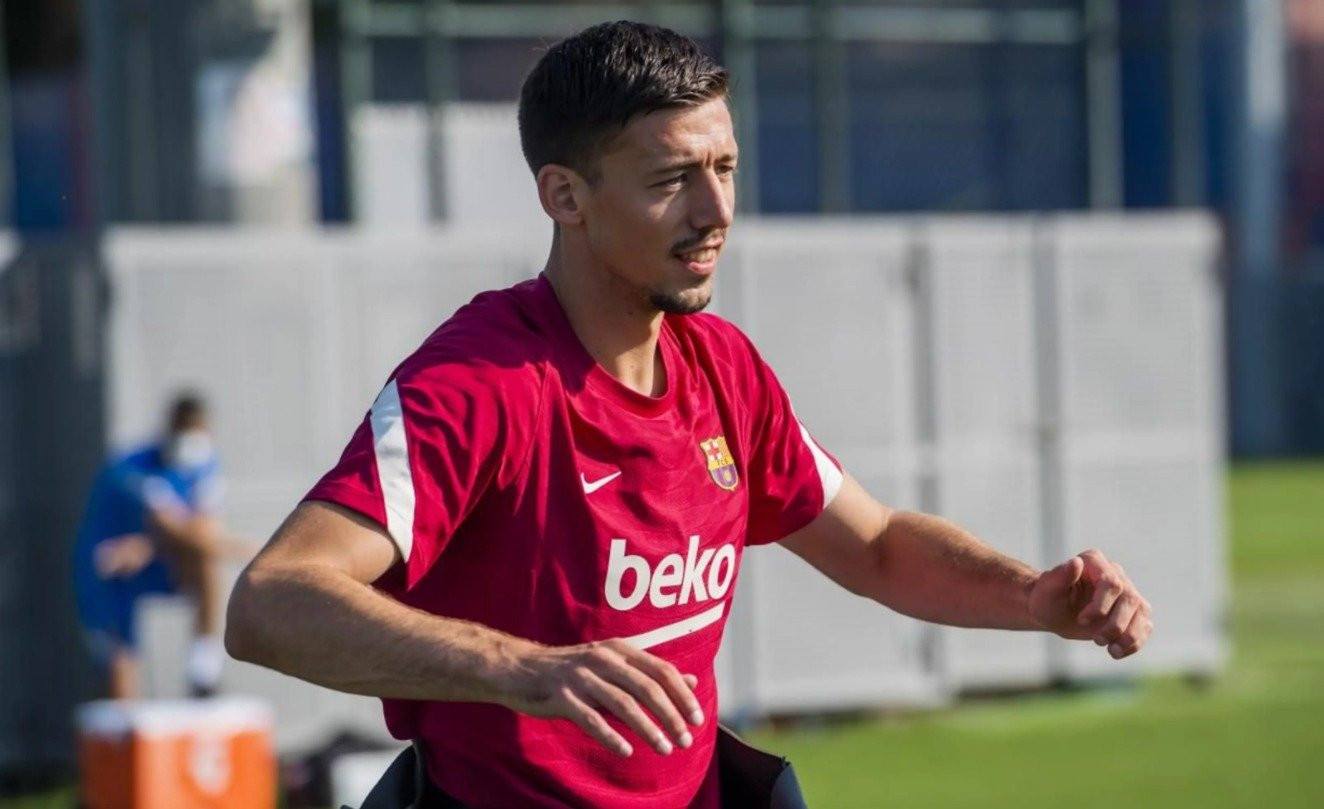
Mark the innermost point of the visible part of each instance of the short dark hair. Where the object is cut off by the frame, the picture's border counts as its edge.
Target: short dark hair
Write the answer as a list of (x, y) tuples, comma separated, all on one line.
[(186, 410), (587, 88)]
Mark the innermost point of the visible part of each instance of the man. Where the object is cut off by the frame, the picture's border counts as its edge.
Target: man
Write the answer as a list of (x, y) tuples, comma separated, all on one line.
[(152, 527), (541, 518)]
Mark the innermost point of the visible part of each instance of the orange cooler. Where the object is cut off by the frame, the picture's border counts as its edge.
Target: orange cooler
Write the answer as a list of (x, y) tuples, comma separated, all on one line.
[(204, 754)]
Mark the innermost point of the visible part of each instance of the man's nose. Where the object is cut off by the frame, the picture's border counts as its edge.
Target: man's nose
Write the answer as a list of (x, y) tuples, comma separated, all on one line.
[(714, 203)]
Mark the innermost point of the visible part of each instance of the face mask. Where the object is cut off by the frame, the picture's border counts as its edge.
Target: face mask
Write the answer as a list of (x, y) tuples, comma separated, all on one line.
[(190, 450)]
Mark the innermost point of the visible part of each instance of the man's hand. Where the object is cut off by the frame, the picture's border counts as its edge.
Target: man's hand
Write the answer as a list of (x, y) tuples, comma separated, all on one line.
[(123, 556), (580, 682), (1088, 597)]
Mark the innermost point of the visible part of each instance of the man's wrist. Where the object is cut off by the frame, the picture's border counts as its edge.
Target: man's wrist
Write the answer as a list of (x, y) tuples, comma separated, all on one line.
[(1030, 578), (513, 674)]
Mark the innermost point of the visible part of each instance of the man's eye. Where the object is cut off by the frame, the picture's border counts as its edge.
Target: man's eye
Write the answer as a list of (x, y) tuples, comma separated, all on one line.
[(672, 182)]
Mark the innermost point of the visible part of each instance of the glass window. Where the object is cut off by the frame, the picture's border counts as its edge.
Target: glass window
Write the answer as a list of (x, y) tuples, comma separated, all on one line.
[(397, 70), (944, 127), (1144, 56), (1041, 127), (787, 141)]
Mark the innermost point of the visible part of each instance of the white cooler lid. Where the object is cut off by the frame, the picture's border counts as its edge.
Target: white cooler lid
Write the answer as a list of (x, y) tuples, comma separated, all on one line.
[(173, 717)]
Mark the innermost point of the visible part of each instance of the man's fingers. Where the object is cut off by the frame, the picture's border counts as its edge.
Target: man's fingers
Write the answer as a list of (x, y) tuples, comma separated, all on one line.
[(1136, 634), (1116, 615), (611, 698), (1123, 611), (1135, 637), (652, 695), (594, 725), (1107, 588), (679, 689), (646, 693)]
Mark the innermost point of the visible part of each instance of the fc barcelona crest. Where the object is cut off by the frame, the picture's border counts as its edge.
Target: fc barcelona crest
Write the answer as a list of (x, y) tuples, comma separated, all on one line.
[(720, 463)]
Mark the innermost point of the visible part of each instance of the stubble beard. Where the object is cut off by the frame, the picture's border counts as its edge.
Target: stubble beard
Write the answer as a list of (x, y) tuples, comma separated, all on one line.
[(686, 302)]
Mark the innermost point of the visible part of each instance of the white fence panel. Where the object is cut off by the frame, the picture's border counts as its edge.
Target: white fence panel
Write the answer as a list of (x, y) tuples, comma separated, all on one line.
[(829, 307), (484, 178), (390, 143), (1139, 375), (307, 715), (248, 320), (251, 321), (473, 170), (978, 279), (397, 288)]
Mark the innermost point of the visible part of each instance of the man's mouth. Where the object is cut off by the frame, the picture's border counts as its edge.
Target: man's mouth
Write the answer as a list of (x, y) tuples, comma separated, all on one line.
[(700, 255)]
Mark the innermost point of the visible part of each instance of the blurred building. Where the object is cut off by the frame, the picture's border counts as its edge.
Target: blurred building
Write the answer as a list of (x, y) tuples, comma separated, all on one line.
[(299, 111)]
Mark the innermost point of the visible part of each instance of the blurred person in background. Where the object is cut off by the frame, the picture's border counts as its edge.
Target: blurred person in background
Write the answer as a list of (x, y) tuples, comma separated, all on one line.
[(542, 516), (152, 526)]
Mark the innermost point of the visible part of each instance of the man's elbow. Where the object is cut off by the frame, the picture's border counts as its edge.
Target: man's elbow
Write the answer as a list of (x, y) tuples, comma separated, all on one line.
[(876, 571), (242, 626)]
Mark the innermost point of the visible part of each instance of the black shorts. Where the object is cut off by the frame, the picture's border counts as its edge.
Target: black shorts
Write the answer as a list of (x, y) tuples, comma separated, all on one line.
[(751, 779)]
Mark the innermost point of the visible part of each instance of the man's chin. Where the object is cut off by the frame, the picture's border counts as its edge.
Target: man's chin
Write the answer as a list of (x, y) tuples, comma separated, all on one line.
[(686, 302)]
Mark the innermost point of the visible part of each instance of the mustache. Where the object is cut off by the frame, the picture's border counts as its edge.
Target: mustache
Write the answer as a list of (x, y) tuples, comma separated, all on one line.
[(691, 242)]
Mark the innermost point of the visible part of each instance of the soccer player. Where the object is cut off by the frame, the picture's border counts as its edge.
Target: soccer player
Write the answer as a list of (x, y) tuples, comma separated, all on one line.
[(529, 547), (152, 527)]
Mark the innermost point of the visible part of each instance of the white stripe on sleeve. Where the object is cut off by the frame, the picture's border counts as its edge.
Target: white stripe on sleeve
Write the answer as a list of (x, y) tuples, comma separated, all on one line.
[(393, 473), (828, 473)]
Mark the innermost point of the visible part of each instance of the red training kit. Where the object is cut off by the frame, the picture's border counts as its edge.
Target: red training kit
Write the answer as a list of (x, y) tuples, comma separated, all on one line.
[(530, 491)]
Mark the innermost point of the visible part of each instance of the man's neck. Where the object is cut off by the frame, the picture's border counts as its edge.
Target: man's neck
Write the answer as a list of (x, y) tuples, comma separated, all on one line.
[(618, 329)]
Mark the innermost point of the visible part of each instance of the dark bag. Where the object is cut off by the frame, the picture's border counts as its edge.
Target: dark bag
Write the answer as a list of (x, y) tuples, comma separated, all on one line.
[(750, 777), (405, 785), (754, 778)]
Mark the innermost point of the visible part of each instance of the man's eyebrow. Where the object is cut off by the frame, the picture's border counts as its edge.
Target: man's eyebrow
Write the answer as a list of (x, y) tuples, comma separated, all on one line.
[(676, 165), (684, 164)]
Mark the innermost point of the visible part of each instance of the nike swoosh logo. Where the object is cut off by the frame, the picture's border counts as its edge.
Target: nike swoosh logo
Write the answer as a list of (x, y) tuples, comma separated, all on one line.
[(591, 487)]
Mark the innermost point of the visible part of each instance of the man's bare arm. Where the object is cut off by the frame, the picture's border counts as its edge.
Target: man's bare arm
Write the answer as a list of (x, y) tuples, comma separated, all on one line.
[(928, 568), (305, 607), (195, 533)]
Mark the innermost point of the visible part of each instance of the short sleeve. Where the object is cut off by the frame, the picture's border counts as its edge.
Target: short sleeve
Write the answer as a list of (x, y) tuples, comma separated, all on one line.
[(791, 478), (150, 492), (422, 458), (208, 493), (156, 493)]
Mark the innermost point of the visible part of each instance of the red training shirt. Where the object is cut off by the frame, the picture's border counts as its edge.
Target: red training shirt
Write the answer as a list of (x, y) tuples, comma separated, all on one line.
[(530, 491)]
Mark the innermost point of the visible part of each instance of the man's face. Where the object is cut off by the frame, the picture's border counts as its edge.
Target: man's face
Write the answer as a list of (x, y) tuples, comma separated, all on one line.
[(189, 444), (664, 198)]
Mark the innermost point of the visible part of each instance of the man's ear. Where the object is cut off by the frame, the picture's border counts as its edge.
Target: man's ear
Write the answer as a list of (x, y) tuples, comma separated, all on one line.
[(562, 192)]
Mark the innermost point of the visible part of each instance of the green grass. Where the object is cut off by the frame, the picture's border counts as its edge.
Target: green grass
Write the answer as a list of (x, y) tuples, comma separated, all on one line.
[(1277, 520), (1252, 738)]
